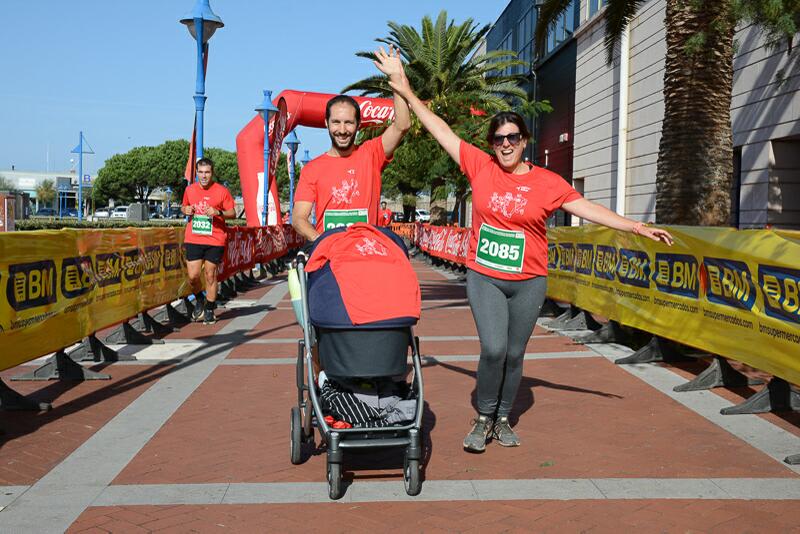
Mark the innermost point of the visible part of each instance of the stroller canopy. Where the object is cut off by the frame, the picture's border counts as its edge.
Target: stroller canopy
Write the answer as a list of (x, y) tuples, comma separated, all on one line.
[(361, 277)]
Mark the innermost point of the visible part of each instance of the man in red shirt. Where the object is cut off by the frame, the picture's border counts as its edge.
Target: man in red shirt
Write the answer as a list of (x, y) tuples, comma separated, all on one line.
[(345, 181), (384, 215), (207, 204)]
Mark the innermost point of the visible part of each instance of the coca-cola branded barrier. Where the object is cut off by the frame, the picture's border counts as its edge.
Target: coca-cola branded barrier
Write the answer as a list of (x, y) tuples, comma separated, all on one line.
[(248, 246), (296, 108), (447, 242)]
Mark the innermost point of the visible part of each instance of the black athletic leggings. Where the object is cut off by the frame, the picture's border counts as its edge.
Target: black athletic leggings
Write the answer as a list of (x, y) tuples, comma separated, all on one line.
[(505, 313)]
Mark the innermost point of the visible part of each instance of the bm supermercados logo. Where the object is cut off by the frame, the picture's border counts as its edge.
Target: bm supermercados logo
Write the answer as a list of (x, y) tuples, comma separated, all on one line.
[(633, 267), (605, 262), (781, 288), (677, 274), (583, 258), (172, 257), (729, 282), (566, 256), (77, 276), (552, 256), (31, 284)]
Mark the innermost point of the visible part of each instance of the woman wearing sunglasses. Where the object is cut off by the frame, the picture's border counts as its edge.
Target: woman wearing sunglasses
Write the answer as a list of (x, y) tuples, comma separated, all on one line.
[(507, 256)]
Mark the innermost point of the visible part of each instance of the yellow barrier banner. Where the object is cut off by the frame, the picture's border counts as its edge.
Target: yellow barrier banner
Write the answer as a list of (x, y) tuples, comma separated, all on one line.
[(57, 287), (730, 292)]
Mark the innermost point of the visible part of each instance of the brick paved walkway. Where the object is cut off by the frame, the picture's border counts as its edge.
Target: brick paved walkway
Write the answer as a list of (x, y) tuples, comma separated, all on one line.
[(201, 444)]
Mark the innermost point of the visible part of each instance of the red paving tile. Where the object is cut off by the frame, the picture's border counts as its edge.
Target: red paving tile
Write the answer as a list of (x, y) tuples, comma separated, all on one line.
[(536, 344), (615, 516), (589, 421), (277, 324), (264, 350), (33, 443)]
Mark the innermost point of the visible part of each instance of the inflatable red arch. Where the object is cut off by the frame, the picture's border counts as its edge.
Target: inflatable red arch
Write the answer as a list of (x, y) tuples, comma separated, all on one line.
[(295, 108)]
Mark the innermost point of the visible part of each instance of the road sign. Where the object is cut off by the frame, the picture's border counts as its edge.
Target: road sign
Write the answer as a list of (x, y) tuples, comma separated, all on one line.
[(87, 178)]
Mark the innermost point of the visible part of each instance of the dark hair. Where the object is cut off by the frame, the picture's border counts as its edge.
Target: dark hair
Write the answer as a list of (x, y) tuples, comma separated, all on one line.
[(505, 117), (343, 99), (205, 162)]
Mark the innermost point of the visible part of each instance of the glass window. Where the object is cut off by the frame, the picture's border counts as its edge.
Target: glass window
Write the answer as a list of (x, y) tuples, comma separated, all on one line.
[(595, 5)]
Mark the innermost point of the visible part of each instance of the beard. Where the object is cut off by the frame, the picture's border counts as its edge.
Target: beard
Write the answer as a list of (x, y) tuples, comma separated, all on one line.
[(338, 145)]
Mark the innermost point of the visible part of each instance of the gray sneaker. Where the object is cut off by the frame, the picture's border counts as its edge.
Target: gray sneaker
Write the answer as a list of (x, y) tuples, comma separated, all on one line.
[(209, 317), (197, 312), (476, 439), (504, 434)]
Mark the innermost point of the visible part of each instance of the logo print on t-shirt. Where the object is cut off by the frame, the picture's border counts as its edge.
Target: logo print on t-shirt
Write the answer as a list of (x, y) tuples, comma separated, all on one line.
[(346, 193), (508, 205), (370, 247)]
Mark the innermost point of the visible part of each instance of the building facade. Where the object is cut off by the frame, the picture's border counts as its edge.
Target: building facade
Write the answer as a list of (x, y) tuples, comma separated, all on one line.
[(617, 112)]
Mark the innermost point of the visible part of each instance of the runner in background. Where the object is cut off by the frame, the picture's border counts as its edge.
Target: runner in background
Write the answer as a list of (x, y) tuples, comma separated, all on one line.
[(345, 182), (507, 255), (384, 215), (207, 204)]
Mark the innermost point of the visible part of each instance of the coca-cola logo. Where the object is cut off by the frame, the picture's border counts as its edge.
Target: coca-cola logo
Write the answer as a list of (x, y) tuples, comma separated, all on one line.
[(375, 113), (453, 244), (437, 241)]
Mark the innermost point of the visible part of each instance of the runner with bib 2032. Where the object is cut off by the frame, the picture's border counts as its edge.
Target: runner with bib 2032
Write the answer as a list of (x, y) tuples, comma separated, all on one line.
[(344, 183), (507, 255), (207, 204)]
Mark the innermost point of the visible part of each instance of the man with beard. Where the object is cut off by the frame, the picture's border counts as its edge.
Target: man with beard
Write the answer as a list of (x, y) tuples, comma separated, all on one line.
[(207, 204), (345, 181)]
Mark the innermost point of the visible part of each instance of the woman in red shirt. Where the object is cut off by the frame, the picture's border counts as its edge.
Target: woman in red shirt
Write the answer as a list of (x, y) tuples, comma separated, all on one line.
[(507, 256)]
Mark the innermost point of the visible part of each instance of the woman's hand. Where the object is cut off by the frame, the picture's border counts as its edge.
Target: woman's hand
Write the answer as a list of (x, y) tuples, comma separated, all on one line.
[(656, 234)]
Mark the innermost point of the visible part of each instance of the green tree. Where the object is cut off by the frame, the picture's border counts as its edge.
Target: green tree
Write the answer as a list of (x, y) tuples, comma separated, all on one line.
[(695, 158), (46, 193), (444, 70), (5, 184)]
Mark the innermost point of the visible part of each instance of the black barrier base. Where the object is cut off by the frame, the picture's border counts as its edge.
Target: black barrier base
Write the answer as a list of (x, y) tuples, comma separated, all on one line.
[(776, 396), (146, 323), (718, 374), (92, 349), (241, 283), (562, 319), (582, 321), (611, 332), (550, 309), (657, 350), (794, 459), (262, 272), (227, 290), (61, 367), (171, 316), (11, 400), (128, 335)]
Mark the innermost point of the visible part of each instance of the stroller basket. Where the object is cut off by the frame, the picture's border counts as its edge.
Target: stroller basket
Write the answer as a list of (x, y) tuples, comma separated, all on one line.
[(360, 353)]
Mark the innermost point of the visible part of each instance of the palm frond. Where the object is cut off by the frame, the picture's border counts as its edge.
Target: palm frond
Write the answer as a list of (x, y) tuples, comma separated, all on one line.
[(618, 15), (549, 13)]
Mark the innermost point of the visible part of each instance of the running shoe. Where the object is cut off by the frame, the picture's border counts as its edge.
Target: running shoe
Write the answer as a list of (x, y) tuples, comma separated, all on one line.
[(476, 439), (504, 434), (197, 312), (209, 317)]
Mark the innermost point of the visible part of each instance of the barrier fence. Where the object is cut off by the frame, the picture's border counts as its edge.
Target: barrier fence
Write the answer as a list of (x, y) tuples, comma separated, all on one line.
[(730, 292), (58, 287)]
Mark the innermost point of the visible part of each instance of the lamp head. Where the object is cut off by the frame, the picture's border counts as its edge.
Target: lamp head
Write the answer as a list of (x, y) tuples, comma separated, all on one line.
[(266, 108), (292, 142), (202, 11)]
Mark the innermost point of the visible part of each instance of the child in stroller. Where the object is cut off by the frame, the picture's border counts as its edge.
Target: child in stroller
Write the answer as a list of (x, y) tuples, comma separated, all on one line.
[(359, 303)]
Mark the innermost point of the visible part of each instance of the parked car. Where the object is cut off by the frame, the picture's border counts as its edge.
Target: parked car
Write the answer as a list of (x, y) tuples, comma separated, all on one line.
[(423, 215), (70, 212), (397, 216), (120, 212), (102, 213), (46, 212)]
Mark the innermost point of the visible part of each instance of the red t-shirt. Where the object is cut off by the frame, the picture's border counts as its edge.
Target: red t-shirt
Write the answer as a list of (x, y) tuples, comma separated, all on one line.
[(218, 197), (345, 190), (509, 238), (385, 217)]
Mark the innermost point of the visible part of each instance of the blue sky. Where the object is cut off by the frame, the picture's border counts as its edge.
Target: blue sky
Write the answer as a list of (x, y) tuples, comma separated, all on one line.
[(124, 71)]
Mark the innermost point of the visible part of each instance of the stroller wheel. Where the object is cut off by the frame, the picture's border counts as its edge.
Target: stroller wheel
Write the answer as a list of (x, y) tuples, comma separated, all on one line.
[(411, 476), (335, 490), (296, 439)]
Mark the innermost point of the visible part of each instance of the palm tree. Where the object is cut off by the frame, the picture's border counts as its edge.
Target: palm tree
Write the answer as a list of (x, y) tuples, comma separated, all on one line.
[(695, 157), (45, 192), (443, 68)]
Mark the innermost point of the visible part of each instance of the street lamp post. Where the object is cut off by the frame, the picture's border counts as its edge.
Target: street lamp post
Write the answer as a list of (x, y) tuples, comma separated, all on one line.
[(201, 23), (293, 143), (304, 162), (168, 191), (267, 110), (81, 151)]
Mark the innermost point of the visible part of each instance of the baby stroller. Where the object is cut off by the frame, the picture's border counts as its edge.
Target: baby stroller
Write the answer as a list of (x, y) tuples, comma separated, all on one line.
[(358, 309)]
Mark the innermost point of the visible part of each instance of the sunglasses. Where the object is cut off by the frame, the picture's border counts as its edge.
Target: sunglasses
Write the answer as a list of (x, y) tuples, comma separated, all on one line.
[(513, 139)]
